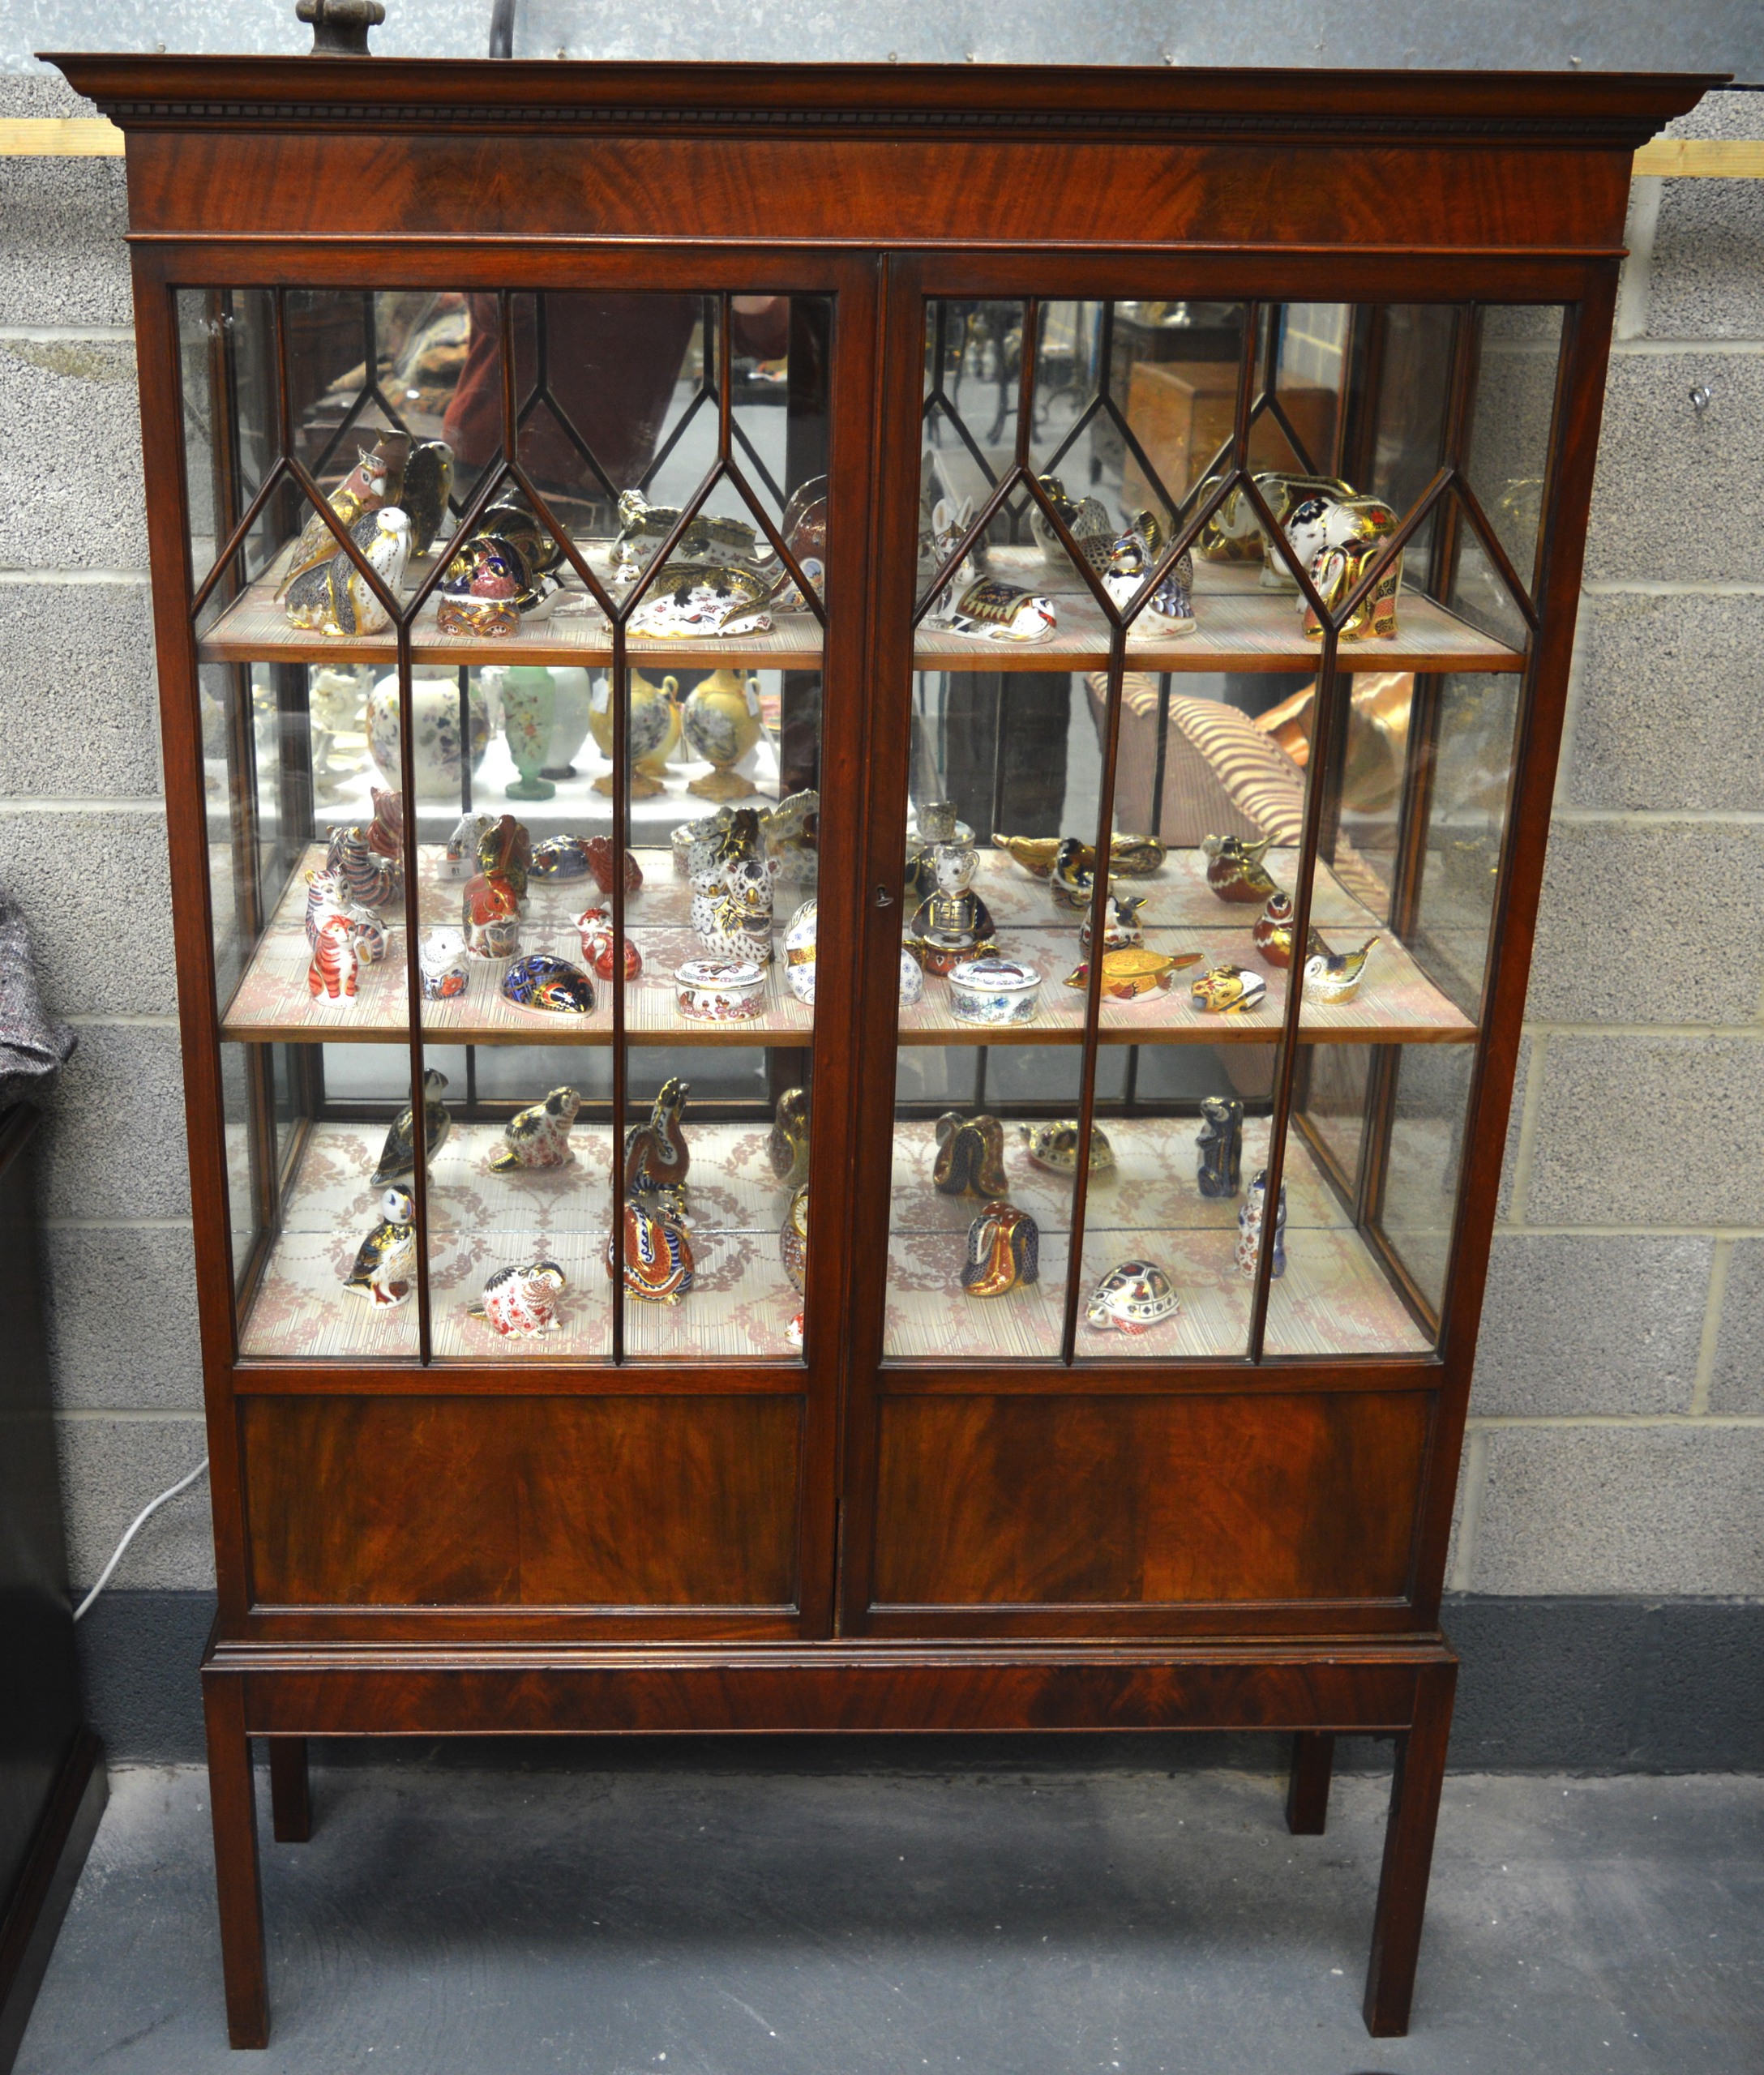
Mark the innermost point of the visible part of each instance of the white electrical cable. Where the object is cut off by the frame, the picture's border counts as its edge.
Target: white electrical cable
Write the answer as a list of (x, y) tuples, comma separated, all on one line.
[(136, 1525)]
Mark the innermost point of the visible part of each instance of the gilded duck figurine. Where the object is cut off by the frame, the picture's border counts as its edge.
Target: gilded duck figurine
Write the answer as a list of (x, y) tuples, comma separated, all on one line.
[(1229, 990), (1220, 1144), (1003, 1251), (658, 1263), (1333, 977), (787, 1146), (1055, 1146), (656, 1156), (377, 479), (1130, 857), (793, 1240), (521, 1303), (970, 1156), (538, 1137), (1133, 971), (387, 1259), (398, 1156), (1234, 869), (1249, 1220)]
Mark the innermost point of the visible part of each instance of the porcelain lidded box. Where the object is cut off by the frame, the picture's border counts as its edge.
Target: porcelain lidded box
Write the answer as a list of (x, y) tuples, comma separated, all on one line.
[(994, 991), (720, 990)]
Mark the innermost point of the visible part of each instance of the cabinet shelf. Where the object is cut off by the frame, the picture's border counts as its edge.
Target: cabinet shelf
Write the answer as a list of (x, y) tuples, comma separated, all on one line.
[(1398, 1004), (1240, 627), (1333, 1298)]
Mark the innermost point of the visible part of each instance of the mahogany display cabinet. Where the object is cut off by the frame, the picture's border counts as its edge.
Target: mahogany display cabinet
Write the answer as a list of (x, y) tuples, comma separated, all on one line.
[(889, 461)]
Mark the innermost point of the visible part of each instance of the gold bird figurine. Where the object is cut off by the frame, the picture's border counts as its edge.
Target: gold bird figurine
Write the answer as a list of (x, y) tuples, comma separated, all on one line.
[(1234, 869), (1333, 977), (1074, 873), (387, 1258), (398, 1156)]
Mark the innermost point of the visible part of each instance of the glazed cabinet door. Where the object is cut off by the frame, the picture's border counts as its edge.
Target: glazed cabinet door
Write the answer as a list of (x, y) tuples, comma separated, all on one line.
[(1205, 636), (521, 612)]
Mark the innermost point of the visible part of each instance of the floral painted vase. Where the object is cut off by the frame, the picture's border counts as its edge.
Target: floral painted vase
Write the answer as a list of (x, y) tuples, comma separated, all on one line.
[(435, 701), (720, 719)]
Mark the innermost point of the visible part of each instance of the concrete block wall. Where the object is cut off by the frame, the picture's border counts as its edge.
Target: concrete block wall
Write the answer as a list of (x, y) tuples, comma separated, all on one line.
[(1616, 1441), (1617, 1429)]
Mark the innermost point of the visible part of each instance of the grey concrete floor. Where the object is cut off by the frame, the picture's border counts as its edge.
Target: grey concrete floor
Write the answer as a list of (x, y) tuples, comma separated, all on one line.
[(709, 1918)]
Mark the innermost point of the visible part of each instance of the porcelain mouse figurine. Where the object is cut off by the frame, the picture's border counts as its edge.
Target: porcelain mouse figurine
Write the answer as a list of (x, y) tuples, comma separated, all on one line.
[(385, 1260), (398, 1156), (1003, 1251), (538, 1137), (442, 965), (521, 1303), (970, 1156), (1220, 1143)]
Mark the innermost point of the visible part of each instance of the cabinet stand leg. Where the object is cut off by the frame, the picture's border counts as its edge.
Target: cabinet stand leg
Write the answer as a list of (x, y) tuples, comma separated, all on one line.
[(290, 1791), (1308, 1793), (233, 1803), (1414, 1808)]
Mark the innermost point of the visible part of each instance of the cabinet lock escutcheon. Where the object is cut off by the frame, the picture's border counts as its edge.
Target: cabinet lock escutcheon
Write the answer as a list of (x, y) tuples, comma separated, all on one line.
[(884, 897)]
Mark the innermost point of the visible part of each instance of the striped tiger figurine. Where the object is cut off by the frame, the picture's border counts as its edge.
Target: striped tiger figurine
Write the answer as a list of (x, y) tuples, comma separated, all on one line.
[(344, 936), (363, 873)]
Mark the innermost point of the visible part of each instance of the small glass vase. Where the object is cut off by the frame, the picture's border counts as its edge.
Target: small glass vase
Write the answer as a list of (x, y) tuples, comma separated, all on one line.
[(529, 706)]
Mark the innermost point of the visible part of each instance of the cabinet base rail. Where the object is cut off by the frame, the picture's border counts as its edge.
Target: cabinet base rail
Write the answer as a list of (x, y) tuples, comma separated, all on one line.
[(1314, 1691)]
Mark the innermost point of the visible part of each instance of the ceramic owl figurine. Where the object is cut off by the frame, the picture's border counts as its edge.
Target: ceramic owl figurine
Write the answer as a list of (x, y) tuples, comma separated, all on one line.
[(1220, 1144), (538, 1137), (377, 479), (521, 1303), (334, 597), (398, 1156), (387, 1259)]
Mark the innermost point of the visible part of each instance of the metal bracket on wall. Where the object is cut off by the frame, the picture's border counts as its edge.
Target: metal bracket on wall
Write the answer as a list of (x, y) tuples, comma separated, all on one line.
[(1672, 158)]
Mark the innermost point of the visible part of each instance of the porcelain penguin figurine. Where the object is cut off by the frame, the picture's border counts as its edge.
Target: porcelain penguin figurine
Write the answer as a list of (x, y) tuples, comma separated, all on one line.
[(398, 1156), (656, 1156), (1220, 1143), (538, 1137), (387, 1258)]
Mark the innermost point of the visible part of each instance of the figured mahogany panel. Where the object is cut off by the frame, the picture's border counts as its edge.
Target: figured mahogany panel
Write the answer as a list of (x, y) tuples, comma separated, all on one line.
[(617, 1501), (1136, 1501), (871, 192)]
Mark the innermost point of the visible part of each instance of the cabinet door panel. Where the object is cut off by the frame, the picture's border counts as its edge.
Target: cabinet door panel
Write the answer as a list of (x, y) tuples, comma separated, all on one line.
[(1142, 1501), (609, 1502)]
